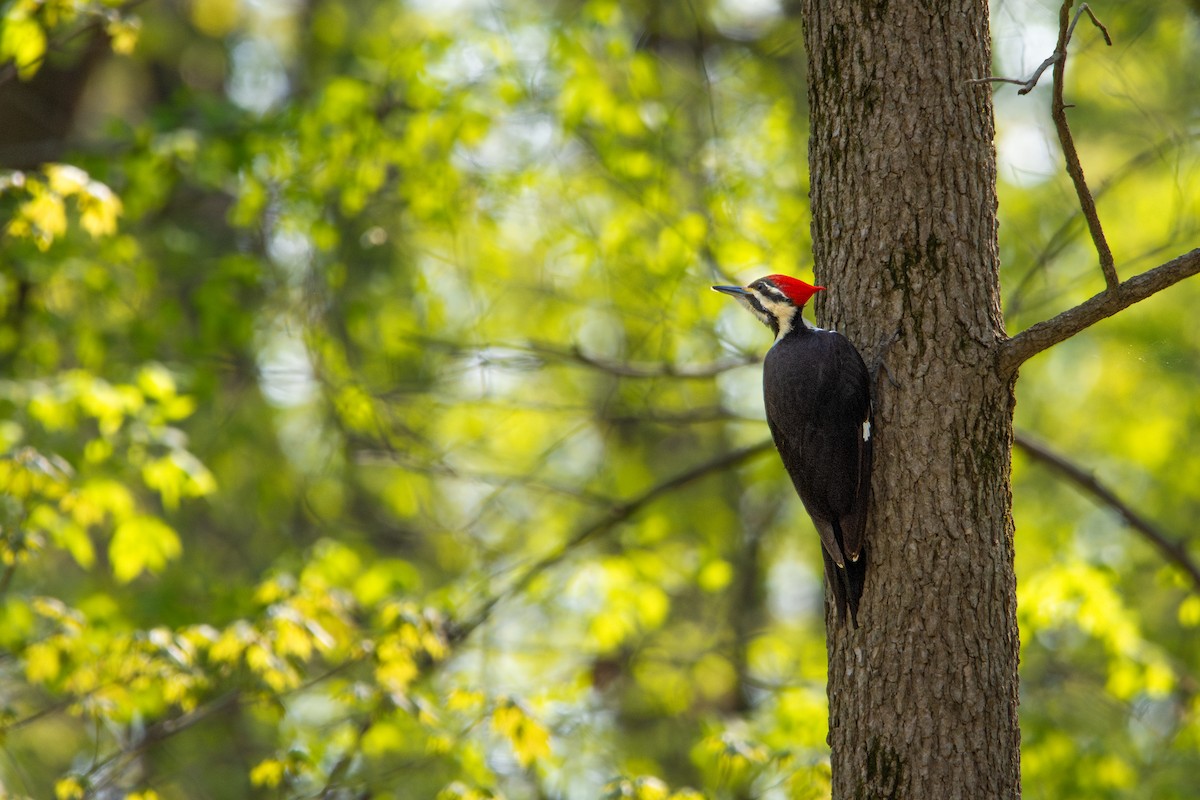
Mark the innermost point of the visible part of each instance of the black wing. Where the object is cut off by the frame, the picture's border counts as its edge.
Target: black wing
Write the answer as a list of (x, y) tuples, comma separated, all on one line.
[(855, 390), (819, 410)]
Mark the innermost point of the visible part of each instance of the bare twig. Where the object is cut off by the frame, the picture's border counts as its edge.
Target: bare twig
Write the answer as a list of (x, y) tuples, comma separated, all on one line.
[(1026, 85), (1066, 232), (525, 356), (332, 784), (696, 416), (7, 577), (1058, 112), (40, 714), (1048, 333), (1085, 8), (614, 516), (499, 479), (1170, 548), (996, 79), (625, 369), (1059, 54), (1037, 73), (108, 769), (700, 49)]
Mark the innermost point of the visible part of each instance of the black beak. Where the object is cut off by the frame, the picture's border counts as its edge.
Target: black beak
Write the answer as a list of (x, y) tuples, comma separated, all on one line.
[(733, 290)]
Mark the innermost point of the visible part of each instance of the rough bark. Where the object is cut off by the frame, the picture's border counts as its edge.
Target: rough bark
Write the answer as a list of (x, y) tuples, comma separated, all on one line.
[(923, 697)]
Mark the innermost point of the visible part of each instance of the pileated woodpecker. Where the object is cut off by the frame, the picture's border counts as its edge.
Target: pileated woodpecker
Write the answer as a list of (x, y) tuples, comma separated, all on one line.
[(817, 392)]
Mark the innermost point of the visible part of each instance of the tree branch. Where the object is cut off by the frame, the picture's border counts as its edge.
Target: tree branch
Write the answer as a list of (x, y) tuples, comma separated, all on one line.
[(1066, 232), (1058, 112), (498, 479), (107, 771), (1046, 334), (1172, 549), (1027, 85), (614, 516), (625, 369), (525, 355), (695, 416), (1059, 54)]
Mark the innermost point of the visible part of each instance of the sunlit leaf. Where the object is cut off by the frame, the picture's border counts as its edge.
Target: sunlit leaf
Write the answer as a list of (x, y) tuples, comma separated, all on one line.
[(43, 662), (69, 788), (23, 41), (215, 17), (530, 740), (142, 544), (268, 773), (123, 32)]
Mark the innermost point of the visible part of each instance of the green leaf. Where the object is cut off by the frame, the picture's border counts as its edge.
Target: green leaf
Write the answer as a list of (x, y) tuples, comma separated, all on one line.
[(142, 544), (22, 41), (530, 740), (43, 662), (268, 773)]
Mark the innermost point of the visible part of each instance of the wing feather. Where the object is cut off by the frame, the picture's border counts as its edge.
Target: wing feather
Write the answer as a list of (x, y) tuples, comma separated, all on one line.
[(819, 410)]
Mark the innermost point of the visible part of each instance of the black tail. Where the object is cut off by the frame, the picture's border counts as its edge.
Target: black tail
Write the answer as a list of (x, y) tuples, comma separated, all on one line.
[(847, 584), (855, 575)]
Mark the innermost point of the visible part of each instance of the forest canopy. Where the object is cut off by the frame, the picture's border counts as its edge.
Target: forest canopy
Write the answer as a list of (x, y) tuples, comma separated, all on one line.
[(369, 429)]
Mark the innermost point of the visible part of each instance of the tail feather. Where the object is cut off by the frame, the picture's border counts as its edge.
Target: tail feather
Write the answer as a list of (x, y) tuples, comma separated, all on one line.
[(847, 583), (856, 578)]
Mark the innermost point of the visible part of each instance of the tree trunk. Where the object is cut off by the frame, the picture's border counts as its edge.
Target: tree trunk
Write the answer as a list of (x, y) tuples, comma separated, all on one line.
[(923, 697)]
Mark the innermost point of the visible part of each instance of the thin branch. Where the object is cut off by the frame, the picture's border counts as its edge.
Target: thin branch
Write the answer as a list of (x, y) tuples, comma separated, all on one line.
[(614, 516), (1084, 7), (1059, 54), (1066, 232), (1058, 112), (153, 735), (41, 713), (1048, 333), (699, 53), (498, 479), (1027, 85), (1171, 548), (626, 369), (7, 577), (343, 764), (524, 356), (696, 416), (170, 727), (1037, 74)]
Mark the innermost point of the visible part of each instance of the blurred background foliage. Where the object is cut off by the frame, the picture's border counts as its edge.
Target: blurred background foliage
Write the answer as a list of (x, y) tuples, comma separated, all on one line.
[(370, 430)]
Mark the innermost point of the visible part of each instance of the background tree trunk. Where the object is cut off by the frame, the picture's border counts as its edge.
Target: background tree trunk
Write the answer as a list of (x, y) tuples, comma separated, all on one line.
[(923, 697)]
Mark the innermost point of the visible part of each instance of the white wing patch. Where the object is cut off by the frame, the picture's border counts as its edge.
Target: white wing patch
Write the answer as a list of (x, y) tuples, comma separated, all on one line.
[(866, 430)]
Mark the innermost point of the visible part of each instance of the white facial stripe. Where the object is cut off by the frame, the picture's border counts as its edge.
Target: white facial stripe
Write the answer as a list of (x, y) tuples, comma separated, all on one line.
[(767, 290), (772, 308), (779, 307)]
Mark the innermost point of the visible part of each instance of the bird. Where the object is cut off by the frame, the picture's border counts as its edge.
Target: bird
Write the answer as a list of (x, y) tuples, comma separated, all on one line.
[(817, 393)]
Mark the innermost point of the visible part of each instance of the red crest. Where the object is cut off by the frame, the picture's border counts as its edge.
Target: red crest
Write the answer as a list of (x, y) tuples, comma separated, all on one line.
[(797, 290)]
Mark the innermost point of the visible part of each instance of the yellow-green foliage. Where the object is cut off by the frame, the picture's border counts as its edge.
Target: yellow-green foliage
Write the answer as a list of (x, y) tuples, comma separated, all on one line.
[(349, 359)]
